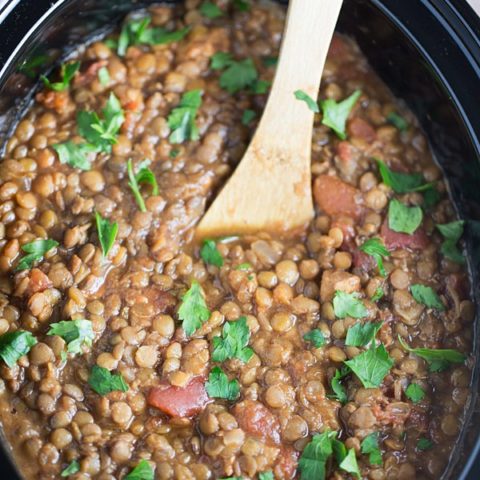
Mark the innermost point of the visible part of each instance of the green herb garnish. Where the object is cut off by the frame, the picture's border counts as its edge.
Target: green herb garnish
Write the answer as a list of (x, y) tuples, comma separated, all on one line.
[(304, 97), (376, 249), (243, 266), (339, 391), (397, 121), (107, 233), (415, 393), (76, 333), (378, 295), (210, 10), (315, 455), (315, 337), (104, 76), (35, 251), (335, 114), (237, 75), (210, 253), (103, 382), (350, 464), (361, 335), (371, 366), (348, 305), (371, 447), (266, 476), (193, 311), (233, 342), (248, 116), (182, 118), (439, 359), (67, 72), (401, 182), (144, 175), (14, 345), (102, 133), (241, 5), (73, 468), (427, 296), (136, 32), (424, 444), (270, 61), (143, 471), (219, 386), (403, 219), (75, 154), (452, 232)]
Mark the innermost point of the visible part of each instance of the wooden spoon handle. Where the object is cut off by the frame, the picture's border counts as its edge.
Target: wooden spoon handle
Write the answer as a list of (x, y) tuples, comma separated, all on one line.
[(309, 31)]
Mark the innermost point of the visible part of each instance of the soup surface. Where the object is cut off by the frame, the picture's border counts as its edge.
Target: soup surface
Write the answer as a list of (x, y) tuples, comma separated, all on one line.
[(128, 351)]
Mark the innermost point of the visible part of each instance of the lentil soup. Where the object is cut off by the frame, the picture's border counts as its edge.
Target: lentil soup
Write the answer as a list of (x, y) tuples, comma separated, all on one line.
[(129, 351)]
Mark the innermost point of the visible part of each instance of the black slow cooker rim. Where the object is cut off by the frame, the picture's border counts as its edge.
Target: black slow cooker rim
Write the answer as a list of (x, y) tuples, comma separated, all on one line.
[(20, 19)]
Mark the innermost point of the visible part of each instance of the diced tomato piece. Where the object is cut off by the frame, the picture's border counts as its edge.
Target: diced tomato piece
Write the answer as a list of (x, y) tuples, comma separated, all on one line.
[(38, 282), (358, 127), (180, 401), (393, 240), (335, 197), (286, 463), (257, 420)]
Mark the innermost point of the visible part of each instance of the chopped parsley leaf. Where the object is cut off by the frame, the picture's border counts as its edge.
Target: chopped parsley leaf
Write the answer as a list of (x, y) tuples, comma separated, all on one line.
[(75, 154), (14, 345), (102, 133), (315, 337), (371, 366), (378, 295), (103, 381), (104, 76), (67, 72), (424, 444), (348, 305), (339, 391), (181, 119), (143, 471), (219, 386), (76, 333), (107, 233), (360, 335), (210, 253), (403, 219), (193, 311), (401, 182), (248, 116), (35, 251), (371, 447), (73, 468), (426, 296), (415, 393), (313, 461), (335, 114), (210, 10), (304, 97), (144, 175), (136, 32), (376, 249), (397, 121), (233, 342), (452, 232), (439, 359)]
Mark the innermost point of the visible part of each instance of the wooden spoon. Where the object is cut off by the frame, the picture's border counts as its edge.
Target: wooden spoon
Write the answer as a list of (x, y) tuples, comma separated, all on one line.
[(271, 188)]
